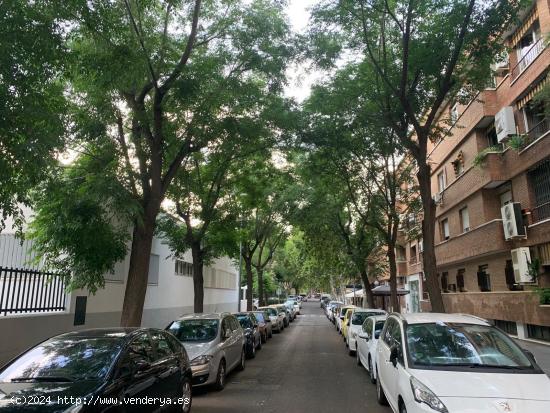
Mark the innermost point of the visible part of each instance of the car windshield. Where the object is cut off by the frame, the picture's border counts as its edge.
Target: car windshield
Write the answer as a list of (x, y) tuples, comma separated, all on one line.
[(343, 311), (271, 311), (379, 326), (65, 360), (195, 330), (245, 321), (359, 317), (260, 317), (463, 345)]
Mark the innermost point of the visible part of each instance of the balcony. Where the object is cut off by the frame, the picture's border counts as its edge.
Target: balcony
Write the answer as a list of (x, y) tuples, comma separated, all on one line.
[(522, 306), (528, 58), (490, 174), (483, 240), (538, 131)]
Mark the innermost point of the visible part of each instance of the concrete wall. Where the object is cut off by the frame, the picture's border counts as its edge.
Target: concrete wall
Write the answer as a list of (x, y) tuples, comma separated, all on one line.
[(165, 300)]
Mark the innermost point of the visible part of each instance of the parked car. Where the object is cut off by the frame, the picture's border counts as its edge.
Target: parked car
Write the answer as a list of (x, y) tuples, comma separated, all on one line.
[(304, 297), (277, 318), (325, 298), (335, 312), (251, 332), (107, 363), (283, 309), (215, 344), (367, 341), (345, 324), (340, 318), (264, 324), (294, 305), (456, 363), (330, 309), (355, 323)]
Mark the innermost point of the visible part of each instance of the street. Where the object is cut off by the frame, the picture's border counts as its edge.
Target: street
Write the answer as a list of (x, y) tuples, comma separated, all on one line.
[(306, 368)]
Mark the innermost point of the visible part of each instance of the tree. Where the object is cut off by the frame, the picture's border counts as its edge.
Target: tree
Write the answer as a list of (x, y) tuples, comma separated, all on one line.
[(160, 81), (33, 107), (423, 53)]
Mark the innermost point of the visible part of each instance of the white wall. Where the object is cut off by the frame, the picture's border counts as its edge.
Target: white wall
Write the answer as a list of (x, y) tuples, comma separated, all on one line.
[(165, 301)]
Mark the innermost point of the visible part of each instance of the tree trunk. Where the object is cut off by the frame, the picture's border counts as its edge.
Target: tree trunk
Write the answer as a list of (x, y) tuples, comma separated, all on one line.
[(428, 236), (136, 284), (367, 289), (249, 282), (261, 292), (394, 301), (198, 277)]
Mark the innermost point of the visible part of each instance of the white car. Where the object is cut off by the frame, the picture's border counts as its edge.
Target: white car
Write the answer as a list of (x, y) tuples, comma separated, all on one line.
[(358, 316), (367, 342), (429, 362)]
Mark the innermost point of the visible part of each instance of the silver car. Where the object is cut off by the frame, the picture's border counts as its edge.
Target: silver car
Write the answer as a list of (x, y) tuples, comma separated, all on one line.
[(215, 344), (277, 318)]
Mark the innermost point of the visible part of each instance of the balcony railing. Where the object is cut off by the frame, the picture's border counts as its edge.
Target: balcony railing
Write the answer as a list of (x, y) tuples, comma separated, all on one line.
[(540, 129), (540, 212), (528, 58)]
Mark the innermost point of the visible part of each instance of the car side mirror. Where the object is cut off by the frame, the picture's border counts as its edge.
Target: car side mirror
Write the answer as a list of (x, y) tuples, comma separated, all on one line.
[(529, 354), (394, 355), (142, 366), (348, 323)]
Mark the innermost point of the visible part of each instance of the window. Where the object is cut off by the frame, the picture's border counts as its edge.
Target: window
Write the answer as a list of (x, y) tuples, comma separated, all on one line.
[(387, 338), (162, 345), (505, 198), (445, 234), (491, 135), (425, 293), (510, 327), (454, 113), (445, 281), (153, 275), (420, 245), (413, 259), (141, 349), (183, 268), (464, 219), (460, 280), (483, 278), (529, 47), (538, 332), (441, 181), (367, 326), (539, 180)]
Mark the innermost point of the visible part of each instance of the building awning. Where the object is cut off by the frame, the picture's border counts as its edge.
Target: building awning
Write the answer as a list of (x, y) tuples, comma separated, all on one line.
[(524, 28), (536, 89), (358, 293), (384, 290)]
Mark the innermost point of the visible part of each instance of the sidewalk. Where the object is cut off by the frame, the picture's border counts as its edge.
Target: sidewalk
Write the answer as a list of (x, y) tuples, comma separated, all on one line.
[(540, 351)]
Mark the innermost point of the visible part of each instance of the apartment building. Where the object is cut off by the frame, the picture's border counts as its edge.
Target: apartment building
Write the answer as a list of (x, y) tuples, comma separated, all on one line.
[(491, 183)]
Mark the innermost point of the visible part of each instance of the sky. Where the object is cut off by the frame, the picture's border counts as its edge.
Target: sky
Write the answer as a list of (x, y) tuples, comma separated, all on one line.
[(300, 79)]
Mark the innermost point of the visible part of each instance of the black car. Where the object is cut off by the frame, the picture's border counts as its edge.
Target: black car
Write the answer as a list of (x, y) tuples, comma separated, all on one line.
[(251, 333), (99, 370)]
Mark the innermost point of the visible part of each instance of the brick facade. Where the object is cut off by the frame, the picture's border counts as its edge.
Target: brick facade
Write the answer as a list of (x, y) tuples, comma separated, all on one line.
[(482, 189)]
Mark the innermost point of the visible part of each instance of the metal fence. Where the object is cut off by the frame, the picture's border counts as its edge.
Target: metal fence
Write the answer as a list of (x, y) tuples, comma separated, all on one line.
[(30, 291)]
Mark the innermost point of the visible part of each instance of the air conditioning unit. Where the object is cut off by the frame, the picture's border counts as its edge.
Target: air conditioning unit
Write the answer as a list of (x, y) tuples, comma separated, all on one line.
[(512, 220), (505, 124), (521, 258), (438, 198)]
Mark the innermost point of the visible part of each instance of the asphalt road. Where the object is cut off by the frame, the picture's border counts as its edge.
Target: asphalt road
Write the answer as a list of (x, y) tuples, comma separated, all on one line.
[(306, 368)]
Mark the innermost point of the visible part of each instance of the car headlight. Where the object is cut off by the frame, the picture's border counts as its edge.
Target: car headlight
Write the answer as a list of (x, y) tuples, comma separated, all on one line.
[(424, 395), (201, 360)]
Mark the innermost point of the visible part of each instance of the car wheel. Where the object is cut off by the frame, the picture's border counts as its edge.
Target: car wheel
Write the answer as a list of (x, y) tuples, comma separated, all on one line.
[(220, 376), (259, 346), (402, 408), (187, 394), (358, 358), (264, 337), (252, 352), (371, 372), (380, 396), (270, 333), (241, 365)]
